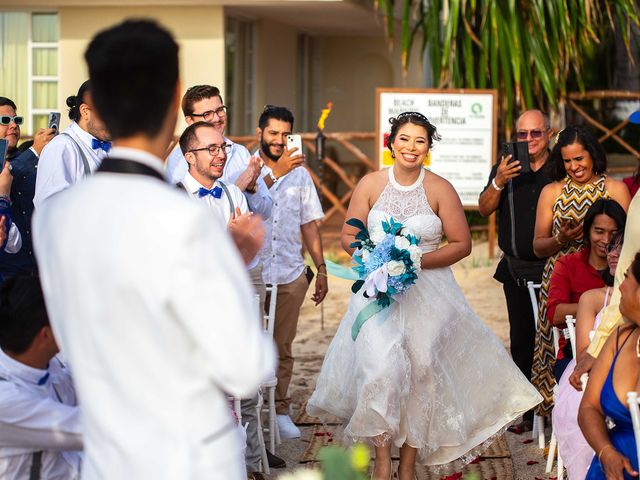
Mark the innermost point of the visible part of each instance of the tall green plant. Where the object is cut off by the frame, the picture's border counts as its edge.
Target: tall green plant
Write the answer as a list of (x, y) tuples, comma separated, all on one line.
[(527, 49)]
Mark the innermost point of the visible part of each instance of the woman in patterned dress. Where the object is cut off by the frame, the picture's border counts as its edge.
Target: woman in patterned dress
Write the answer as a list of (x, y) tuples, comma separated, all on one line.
[(577, 165)]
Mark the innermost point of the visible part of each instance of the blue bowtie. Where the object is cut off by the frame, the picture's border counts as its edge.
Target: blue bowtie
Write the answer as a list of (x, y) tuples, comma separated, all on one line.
[(215, 192), (95, 144)]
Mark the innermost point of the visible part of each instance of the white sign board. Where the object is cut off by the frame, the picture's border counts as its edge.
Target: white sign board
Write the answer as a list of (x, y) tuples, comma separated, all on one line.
[(466, 121)]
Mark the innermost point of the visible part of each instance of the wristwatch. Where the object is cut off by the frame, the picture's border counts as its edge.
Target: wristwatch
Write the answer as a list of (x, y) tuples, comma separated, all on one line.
[(495, 185), (273, 178)]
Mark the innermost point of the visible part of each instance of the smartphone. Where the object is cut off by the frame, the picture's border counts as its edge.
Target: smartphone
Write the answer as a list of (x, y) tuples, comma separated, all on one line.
[(308, 273), (54, 121), (294, 141), (518, 151), (4, 148)]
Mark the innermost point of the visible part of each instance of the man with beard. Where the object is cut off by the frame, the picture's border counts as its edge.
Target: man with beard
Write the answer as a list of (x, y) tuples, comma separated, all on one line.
[(296, 208), (75, 153)]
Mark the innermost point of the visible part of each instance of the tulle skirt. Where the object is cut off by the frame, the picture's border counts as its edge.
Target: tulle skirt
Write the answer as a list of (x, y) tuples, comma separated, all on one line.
[(572, 446), (426, 372)]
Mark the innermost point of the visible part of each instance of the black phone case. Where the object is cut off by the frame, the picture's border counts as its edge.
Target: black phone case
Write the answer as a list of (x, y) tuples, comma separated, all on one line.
[(309, 274), (518, 151)]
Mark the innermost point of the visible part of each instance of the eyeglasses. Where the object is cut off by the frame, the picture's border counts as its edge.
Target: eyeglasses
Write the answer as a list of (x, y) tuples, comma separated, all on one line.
[(214, 150), (6, 120), (208, 115), (523, 134)]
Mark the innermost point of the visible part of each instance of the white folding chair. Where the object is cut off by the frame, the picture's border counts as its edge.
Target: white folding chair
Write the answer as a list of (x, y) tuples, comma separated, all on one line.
[(568, 333), (538, 422), (270, 385), (238, 408), (632, 400)]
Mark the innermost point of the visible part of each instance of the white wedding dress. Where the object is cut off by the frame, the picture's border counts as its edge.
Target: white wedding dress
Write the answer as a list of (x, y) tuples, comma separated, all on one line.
[(426, 371)]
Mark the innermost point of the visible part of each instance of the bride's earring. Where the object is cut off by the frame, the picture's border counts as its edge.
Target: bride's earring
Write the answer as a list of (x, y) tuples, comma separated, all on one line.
[(393, 154)]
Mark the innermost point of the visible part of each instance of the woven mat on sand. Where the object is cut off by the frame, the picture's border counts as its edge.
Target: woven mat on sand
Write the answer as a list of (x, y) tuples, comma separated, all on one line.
[(304, 420), (494, 464)]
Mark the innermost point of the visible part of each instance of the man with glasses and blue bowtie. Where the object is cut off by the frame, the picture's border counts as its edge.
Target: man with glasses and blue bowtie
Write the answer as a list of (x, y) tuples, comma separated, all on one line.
[(76, 153), (514, 195), (23, 163)]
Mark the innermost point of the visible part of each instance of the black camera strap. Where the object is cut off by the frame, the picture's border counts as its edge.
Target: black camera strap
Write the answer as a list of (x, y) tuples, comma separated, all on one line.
[(512, 212)]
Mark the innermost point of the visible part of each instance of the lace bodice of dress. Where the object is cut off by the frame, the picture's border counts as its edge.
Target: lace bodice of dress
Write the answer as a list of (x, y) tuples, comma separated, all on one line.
[(408, 205)]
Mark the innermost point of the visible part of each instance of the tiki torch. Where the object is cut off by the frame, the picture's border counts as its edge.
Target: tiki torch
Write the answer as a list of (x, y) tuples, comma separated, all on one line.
[(320, 141)]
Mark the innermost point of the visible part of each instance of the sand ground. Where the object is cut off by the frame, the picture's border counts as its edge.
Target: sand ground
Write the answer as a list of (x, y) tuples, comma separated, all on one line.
[(317, 327)]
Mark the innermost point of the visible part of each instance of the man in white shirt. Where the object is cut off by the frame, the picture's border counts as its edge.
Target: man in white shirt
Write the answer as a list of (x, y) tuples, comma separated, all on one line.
[(76, 152), (205, 151), (152, 305), (40, 435), (296, 209)]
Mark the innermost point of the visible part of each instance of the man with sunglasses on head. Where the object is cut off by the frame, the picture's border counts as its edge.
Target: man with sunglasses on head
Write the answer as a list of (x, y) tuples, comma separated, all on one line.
[(23, 163), (514, 194), (76, 152)]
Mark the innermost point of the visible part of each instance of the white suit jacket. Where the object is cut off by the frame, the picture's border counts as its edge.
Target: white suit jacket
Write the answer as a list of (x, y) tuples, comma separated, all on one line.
[(151, 305)]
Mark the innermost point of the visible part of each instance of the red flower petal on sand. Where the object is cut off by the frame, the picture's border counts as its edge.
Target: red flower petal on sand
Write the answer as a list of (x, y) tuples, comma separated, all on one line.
[(528, 441), (476, 460), (320, 434), (532, 462), (455, 476)]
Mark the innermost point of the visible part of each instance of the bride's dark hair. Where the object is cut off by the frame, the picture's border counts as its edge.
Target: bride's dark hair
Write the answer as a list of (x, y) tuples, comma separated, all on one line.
[(415, 118)]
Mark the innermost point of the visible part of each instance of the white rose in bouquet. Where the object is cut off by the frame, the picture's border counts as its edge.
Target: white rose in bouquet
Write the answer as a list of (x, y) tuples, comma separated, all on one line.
[(416, 255), (377, 236), (396, 267), (402, 243)]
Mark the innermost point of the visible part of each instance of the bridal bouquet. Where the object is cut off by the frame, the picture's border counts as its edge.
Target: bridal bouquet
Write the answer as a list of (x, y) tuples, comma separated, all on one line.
[(387, 262)]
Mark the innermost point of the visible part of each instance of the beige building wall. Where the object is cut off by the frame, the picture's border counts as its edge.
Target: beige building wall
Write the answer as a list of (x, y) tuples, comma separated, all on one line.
[(351, 68), (277, 71), (198, 30)]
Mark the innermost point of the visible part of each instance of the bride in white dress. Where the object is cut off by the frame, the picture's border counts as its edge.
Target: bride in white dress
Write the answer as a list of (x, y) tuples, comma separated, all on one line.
[(425, 374)]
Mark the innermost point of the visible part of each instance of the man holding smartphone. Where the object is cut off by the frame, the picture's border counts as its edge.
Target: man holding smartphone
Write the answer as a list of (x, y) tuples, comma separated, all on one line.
[(514, 192), (23, 163), (296, 210)]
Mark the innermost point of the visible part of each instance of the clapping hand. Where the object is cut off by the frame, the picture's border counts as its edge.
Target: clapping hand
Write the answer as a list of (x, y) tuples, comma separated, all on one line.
[(247, 179), (247, 232)]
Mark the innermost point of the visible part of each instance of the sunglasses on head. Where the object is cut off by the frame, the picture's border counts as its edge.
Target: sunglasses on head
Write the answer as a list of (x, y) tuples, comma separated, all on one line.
[(7, 119), (523, 134)]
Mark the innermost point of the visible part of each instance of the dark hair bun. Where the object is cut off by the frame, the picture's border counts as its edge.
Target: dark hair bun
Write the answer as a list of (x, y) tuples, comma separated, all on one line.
[(71, 101)]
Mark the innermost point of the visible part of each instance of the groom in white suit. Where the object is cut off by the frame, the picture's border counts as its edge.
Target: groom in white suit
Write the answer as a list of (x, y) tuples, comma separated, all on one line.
[(146, 292)]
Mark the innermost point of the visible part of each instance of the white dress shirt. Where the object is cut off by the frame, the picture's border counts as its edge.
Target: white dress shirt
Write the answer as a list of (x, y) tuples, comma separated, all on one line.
[(237, 162), (295, 203), (221, 206), (60, 164), (38, 412), (154, 309)]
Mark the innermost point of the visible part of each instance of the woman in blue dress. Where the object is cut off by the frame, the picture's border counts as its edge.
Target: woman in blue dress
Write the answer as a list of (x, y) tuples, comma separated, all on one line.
[(604, 417)]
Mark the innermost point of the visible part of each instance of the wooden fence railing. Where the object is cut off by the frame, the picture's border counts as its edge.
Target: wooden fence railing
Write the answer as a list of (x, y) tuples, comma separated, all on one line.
[(612, 95)]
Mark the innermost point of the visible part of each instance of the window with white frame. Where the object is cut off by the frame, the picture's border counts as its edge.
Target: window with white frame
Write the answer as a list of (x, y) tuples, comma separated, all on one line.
[(29, 59)]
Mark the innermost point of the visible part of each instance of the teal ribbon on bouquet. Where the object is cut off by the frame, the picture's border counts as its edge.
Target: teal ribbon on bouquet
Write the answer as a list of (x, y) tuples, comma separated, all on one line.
[(367, 312), (340, 271)]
